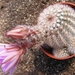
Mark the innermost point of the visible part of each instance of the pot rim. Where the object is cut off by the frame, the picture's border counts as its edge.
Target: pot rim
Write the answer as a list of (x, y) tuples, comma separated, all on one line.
[(51, 55), (68, 3)]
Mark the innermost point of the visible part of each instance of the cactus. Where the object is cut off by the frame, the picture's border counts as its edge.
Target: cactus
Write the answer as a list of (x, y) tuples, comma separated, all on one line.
[(58, 22), (55, 27)]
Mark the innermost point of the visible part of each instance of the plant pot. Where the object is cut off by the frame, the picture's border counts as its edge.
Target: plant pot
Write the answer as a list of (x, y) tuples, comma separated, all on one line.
[(50, 53)]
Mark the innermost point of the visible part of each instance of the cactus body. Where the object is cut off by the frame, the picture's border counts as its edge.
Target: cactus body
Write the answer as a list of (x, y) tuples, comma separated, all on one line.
[(58, 23)]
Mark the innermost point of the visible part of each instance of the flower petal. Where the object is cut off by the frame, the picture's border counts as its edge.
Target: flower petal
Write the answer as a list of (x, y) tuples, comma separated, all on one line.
[(13, 68), (7, 66), (10, 56), (1, 59)]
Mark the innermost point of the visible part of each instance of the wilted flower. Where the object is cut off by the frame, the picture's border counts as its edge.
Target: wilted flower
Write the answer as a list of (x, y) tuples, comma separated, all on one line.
[(10, 55), (20, 32), (24, 35)]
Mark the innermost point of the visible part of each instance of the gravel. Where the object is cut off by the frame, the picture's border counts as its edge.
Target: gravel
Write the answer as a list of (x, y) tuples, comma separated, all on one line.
[(35, 62)]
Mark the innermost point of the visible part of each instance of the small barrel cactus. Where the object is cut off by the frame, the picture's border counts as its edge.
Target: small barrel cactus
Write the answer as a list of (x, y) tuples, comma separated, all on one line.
[(58, 23)]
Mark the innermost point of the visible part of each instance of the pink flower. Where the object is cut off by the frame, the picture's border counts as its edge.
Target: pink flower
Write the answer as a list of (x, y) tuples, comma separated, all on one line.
[(10, 55), (20, 32), (17, 32)]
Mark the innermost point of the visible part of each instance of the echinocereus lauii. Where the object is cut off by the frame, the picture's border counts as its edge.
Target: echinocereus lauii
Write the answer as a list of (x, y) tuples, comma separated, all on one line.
[(55, 27), (10, 55)]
